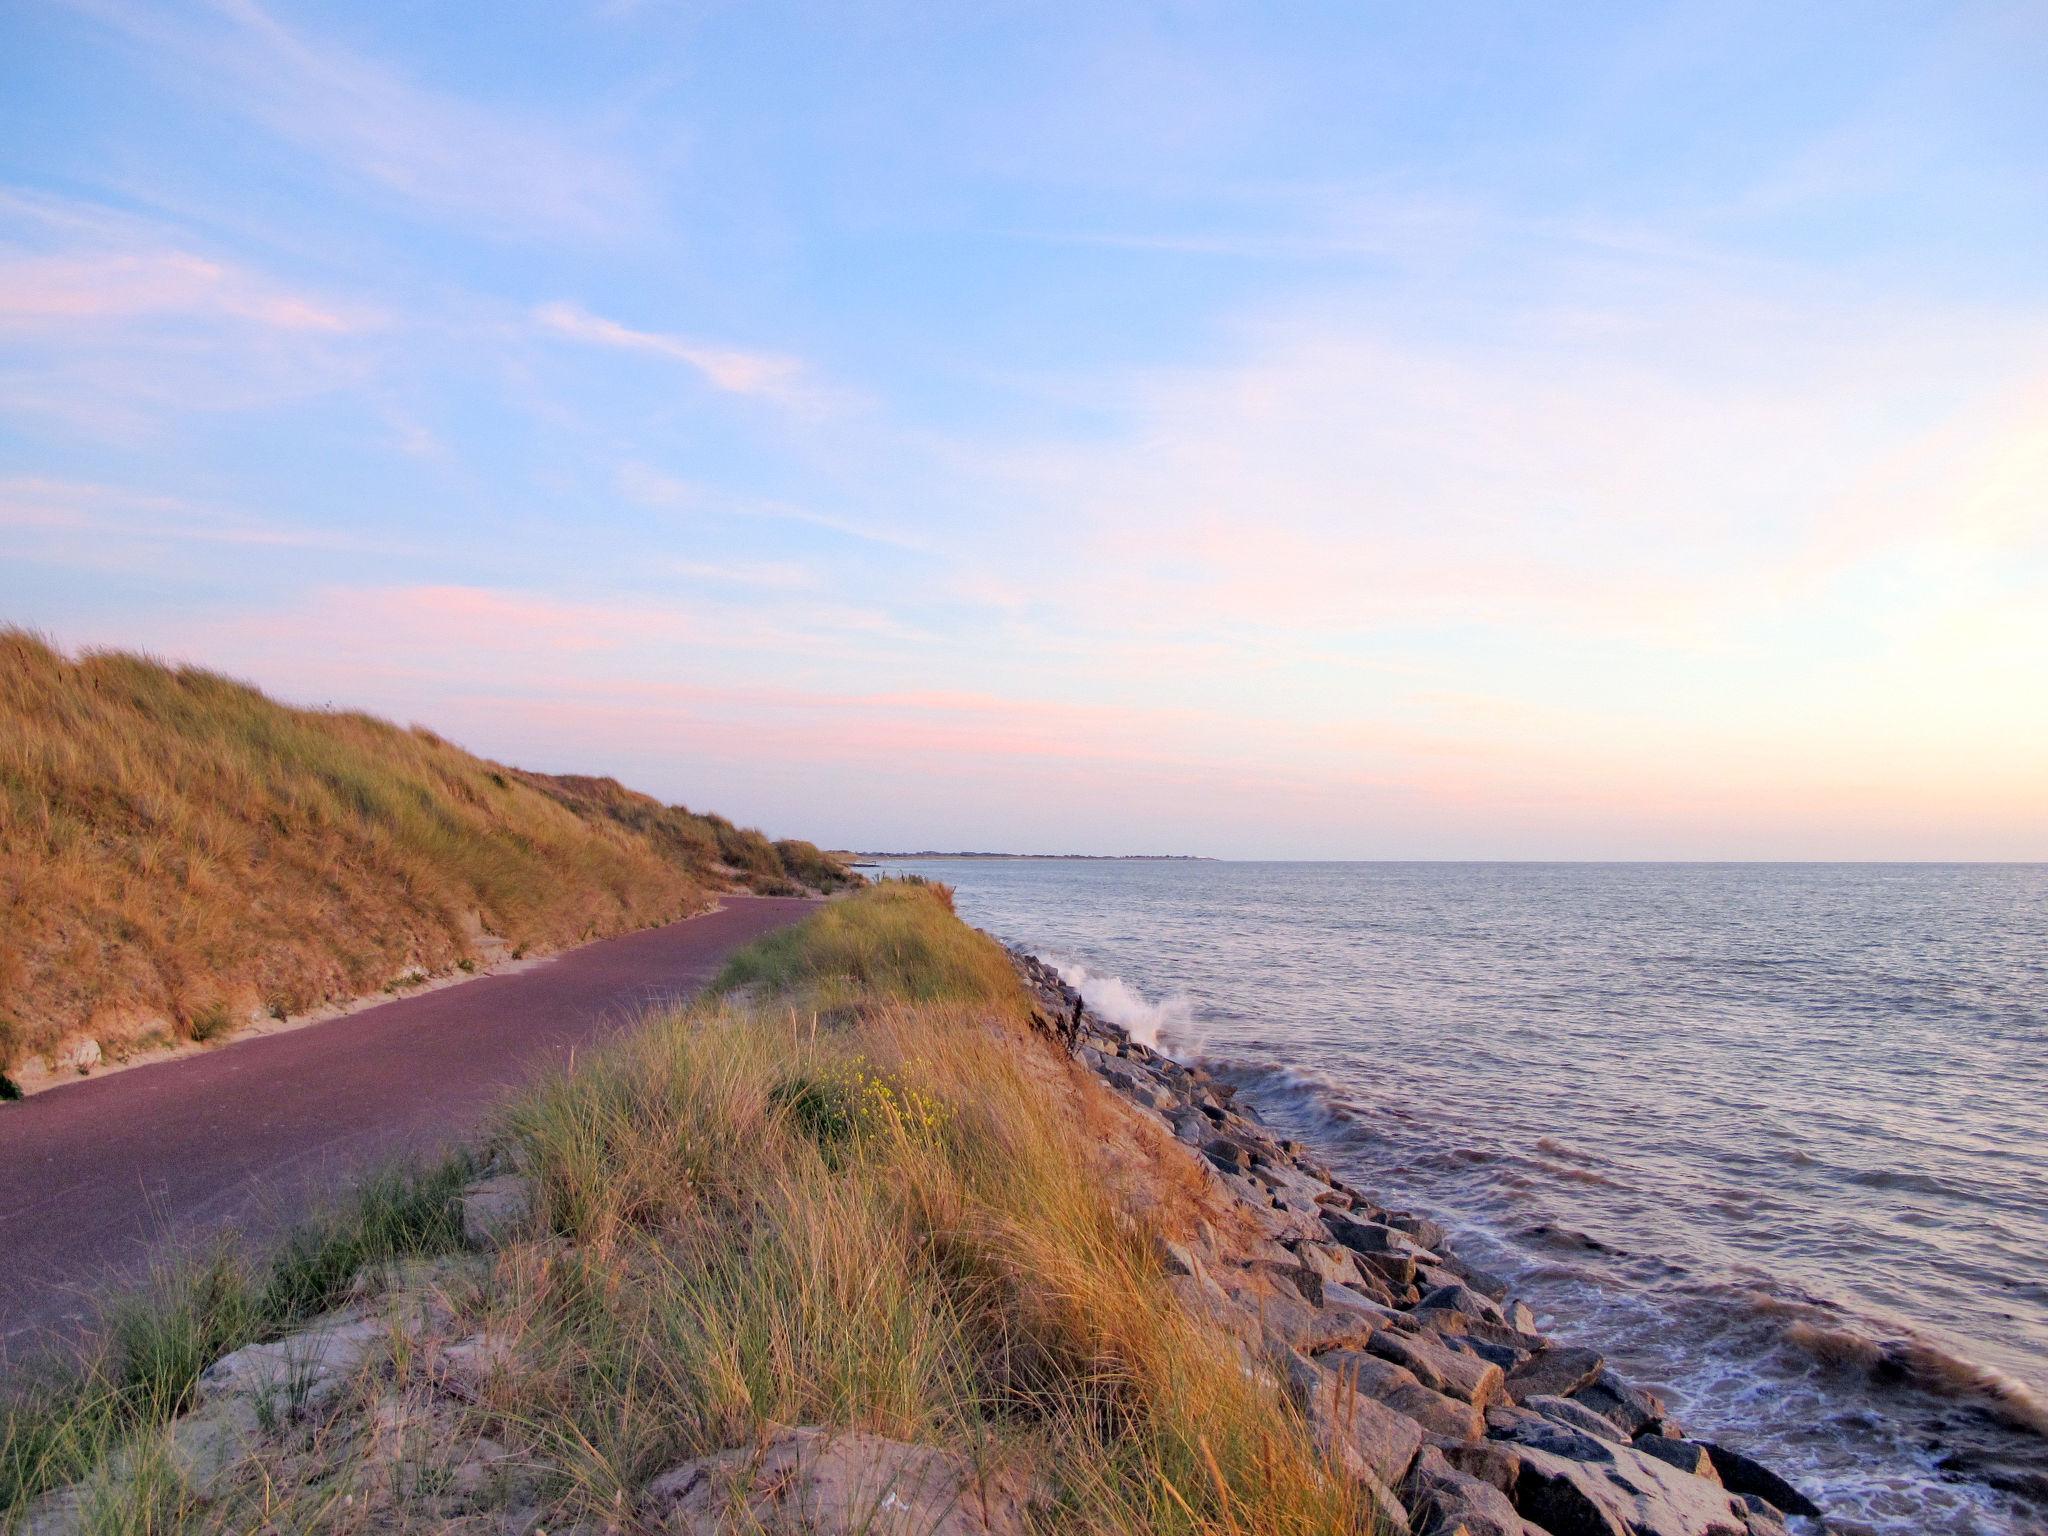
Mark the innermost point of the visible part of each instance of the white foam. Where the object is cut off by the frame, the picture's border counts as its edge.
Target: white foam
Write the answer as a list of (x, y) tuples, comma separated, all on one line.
[(1157, 1024)]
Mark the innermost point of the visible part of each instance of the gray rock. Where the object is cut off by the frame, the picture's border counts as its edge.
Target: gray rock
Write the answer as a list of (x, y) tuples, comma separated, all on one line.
[(1763, 1516), (1349, 1424), (1460, 1298), (1686, 1455), (302, 1370), (839, 1483), (1369, 1236), (1557, 1371), (1490, 1461), (1440, 1368), (1626, 1494), (1397, 1387), (1333, 1264), (1397, 1269), (1742, 1475), (1575, 1415), (495, 1209), (1442, 1501), (1527, 1429), (1636, 1411), (1425, 1232)]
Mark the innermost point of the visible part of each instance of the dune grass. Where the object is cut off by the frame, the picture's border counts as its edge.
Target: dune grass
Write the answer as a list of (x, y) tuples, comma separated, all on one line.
[(63, 1415), (895, 1217), (852, 1190), (180, 854)]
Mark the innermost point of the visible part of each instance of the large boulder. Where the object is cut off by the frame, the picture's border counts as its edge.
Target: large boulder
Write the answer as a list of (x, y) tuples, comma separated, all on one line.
[(1443, 1501), (820, 1482), (1441, 1368), (1351, 1427), (1565, 1410), (1743, 1475), (1397, 1387), (1622, 1492), (1636, 1411), (1558, 1371)]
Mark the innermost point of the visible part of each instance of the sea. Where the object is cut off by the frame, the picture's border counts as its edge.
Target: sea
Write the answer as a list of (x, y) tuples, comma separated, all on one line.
[(1772, 1137)]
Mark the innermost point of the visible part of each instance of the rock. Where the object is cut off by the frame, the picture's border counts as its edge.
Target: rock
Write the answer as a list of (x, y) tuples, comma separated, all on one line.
[(1763, 1516), (494, 1209), (1686, 1455), (1557, 1371), (1425, 1232), (1488, 1460), (1525, 1428), (1460, 1298), (1332, 1263), (1397, 1387), (1564, 1410), (1396, 1269), (1346, 1320), (1345, 1420), (839, 1483), (80, 1056), (1485, 1282), (302, 1370), (1742, 1475), (1440, 1368), (1368, 1236), (1227, 1156), (468, 1365), (1442, 1500), (1636, 1411), (1625, 1493)]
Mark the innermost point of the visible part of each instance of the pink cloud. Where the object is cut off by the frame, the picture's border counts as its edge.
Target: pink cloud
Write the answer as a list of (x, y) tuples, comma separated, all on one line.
[(108, 286), (764, 374)]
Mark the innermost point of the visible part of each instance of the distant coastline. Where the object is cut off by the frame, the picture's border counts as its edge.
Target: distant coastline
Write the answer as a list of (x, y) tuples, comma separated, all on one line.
[(1102, 858)]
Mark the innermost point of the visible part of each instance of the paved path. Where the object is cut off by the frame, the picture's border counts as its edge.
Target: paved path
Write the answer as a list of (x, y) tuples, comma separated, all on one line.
[(96, 1173)]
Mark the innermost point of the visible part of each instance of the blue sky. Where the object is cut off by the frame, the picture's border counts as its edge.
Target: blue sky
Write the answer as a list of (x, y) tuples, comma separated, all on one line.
[(1342, 430)]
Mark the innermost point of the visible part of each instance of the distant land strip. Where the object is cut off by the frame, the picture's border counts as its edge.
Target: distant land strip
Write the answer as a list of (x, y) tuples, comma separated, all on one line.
[(1104, 858)]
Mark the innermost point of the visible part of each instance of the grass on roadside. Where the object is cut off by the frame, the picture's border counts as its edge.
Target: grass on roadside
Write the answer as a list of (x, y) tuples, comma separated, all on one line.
[(64, 1416), (850, 1190), (898, 1221)]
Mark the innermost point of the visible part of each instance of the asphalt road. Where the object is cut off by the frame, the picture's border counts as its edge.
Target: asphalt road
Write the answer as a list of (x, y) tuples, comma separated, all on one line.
[(97, 1175)]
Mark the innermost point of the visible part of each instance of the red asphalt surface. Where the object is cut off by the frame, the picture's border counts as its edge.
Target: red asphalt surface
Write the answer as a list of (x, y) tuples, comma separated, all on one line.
[(98, 1175)]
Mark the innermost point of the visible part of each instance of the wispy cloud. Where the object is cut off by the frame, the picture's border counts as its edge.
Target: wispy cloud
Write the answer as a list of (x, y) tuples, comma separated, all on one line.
[(109, 286), (368, 121), (649, 487), (110, 522), (768, 375), (765, 575)]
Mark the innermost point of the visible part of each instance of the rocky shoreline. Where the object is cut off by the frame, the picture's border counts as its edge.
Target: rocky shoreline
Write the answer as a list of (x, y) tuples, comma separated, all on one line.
[(1419, 1373)]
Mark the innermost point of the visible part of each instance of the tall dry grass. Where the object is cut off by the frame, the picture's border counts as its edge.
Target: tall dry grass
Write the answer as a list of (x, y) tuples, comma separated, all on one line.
[(179, 852), (782, 1209), (838, 1194)]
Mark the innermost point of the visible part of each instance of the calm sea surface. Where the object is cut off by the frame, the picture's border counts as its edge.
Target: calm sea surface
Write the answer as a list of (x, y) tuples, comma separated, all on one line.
[(1773, 1137)]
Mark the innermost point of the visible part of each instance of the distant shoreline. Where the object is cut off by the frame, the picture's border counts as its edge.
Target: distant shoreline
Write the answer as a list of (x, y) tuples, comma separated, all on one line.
[(1092, 858)]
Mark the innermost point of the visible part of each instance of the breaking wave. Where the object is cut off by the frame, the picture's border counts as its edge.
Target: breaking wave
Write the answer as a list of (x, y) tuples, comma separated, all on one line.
[(1161, 1025)]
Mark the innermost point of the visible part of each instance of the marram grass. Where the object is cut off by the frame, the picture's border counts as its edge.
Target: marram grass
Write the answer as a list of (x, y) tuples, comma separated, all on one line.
[(181, 853), (852, 1190)]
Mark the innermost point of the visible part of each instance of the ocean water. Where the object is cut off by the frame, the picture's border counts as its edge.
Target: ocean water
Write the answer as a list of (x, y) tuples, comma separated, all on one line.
[(1772, 1137)]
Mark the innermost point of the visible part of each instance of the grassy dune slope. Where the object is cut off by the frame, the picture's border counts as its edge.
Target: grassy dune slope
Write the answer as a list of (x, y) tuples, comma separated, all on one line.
[(854, 1191), (179, 852)]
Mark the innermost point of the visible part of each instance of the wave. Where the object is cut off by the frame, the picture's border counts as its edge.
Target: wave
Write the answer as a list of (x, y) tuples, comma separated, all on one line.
[(1157, 1024), (1927, 1367)]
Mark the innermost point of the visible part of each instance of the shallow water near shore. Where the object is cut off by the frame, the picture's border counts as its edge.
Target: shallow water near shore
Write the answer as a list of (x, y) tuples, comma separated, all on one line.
[(1773, 1137)]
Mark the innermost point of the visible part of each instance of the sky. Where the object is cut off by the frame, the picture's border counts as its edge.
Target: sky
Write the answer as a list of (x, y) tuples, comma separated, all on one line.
[(1324, 430)]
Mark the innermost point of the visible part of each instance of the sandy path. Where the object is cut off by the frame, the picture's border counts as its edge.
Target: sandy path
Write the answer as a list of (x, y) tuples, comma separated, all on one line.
[(95, 1174)]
